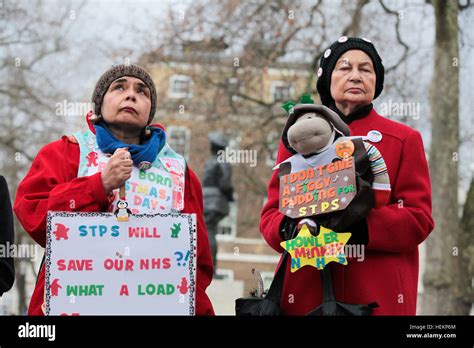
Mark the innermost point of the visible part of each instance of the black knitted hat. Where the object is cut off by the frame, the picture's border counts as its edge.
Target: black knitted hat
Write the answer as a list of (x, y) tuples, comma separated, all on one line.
[(118, 71), (333, 53)]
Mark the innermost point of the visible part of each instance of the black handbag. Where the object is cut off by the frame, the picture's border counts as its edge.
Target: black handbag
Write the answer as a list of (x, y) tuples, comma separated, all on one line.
[(329, 305), (268, 305)]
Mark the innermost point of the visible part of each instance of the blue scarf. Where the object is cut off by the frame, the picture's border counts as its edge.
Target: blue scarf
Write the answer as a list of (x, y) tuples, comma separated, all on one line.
[(146, 151)]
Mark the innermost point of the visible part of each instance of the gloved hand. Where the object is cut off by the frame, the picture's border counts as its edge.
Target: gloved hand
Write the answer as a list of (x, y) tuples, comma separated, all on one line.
[(355, 212), (287, 228)]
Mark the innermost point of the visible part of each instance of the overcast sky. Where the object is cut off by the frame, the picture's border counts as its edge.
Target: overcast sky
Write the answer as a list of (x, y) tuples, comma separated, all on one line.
[(103, 25)]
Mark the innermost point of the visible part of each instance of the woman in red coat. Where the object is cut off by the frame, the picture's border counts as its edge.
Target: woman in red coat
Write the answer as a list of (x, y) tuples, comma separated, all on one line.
[(65, 175), (350, 76)]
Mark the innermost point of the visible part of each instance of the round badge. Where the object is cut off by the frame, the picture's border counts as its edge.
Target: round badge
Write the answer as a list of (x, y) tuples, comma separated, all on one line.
[(342, 39), (327, 53), (320, 72), (344, 148), (374, 136), (366, 40), (145, 165)]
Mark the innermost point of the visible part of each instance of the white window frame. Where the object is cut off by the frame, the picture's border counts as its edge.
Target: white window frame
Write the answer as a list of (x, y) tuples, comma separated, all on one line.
[(273, 137), (229, 221), (267, 279), (279, 83), (187, 132), (234, 141), (235, 81), (228, 274), (180, 95)]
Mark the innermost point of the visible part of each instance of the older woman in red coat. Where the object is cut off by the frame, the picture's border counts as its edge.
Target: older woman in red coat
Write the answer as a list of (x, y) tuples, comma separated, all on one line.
[(65, 176), (350, 76)]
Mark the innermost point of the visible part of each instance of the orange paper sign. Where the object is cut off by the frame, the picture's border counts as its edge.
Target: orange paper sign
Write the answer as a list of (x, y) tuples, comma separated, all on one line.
[(320, 190)]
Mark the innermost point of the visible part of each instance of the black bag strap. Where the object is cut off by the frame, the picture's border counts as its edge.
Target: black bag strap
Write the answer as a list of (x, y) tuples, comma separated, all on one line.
[(328, 293), (276, 287), (39, 270), (328, 304)]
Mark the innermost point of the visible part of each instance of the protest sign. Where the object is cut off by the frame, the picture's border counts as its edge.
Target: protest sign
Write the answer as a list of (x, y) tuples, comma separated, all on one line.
[(96, 264), (323, 189)]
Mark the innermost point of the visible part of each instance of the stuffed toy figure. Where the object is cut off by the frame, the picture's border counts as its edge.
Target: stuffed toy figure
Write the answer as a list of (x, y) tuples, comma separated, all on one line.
[(316, 135)]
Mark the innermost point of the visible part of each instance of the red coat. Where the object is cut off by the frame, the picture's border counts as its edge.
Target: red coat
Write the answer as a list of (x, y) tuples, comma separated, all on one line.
[(389, 273), (52, 183)]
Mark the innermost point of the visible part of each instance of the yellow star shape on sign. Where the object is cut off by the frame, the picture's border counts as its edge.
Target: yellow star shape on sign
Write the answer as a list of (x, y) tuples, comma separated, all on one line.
[(317, 251)]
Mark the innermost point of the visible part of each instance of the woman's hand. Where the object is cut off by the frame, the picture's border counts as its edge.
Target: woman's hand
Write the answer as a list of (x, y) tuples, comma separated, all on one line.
[(118, 170)]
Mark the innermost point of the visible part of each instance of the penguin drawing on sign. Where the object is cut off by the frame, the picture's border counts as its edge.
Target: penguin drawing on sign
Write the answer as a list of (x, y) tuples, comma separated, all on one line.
[(122, 212)]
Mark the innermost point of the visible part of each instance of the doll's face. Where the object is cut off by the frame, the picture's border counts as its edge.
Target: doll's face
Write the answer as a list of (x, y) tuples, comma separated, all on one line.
[(309, 133)]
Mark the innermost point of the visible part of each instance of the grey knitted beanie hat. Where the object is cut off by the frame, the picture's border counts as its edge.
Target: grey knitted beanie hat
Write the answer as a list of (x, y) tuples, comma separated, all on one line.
[(116, 72)]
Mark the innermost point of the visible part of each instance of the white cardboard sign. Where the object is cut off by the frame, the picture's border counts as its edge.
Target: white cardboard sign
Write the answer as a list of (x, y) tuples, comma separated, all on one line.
[(96, 265)]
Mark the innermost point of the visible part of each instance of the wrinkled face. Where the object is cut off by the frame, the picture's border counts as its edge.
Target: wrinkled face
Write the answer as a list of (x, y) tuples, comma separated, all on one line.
[(309, 133), (127, 103), (353, 79)]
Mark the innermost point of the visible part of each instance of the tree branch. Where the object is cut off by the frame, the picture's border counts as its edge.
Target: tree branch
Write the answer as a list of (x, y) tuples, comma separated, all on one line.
[(463, 7), (399, 37)]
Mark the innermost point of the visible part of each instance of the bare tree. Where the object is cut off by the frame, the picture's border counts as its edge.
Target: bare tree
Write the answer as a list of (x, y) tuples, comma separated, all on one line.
[(447, 279), (231, 48), (242, 40), (30, 38)]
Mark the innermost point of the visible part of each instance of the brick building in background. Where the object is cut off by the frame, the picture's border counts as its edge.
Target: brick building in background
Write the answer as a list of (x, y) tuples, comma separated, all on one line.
[(207, 91)]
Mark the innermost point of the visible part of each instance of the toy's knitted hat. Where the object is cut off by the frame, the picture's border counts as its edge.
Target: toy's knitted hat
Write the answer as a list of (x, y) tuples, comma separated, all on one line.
[(307, 105)]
